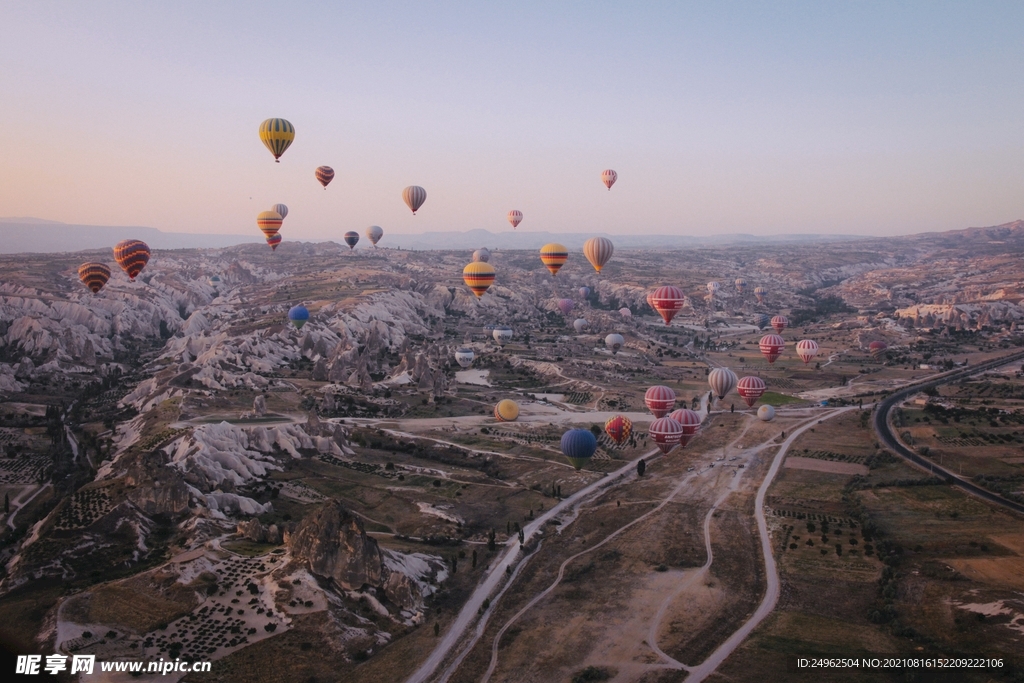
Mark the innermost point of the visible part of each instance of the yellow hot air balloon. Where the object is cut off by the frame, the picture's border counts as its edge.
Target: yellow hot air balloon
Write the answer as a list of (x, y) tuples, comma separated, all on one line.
[(478, 276), (269, 222), (506, 411), (277, 135), (554, 256)]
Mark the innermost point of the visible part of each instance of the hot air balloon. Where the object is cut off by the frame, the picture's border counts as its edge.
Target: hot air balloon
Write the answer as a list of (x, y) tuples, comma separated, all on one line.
[(713, 287), (584, 292), (414, 196), (580, 324), (515, 218), (325, 174), (618, 428), (269, 222), (566, 305), (132, 256), (482, 255), (502, 334), (277, 135), (689, 421), (298, 315), (761, 320), (722, 381), (667, 301), (760, 292), (750, 389), (374, 233), (478, 276), (598, 251), (554, 256), (578, 445), (666, 433), (766, 413), (806, 349), (273, 241), (877, 348), (280, 209), (614, 342), (741, 285), (779, 322), (771, 346), (650, 298), (506, 410), (351, 239), (94, 276), (464, 356), (660, 400), (625, 313), (214, 281), (608, 177)]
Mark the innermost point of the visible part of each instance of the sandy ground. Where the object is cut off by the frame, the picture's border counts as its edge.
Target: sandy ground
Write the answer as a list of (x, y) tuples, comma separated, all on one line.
[(798, 463)]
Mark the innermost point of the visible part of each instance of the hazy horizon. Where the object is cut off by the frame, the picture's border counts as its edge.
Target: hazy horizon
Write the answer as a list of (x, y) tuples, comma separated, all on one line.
[(869, 119)]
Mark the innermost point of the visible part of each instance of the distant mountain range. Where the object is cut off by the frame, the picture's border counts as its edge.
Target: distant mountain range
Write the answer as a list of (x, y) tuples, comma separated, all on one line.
[(36, 235)]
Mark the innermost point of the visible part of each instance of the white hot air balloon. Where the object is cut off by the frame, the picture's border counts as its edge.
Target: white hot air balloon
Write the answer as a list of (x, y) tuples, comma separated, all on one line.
[(414, 196), (722, 381), (598, 251), (515, 218), (464, 356), (580, 324), (608, 177), (281, 209), (502, 334), (374, 233), (766, 413), (614, 342), (482, 255)]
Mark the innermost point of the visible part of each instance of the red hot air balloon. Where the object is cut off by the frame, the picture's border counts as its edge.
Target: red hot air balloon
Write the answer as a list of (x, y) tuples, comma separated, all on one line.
[(565, 305), (660, 400), (806, 349), (325, 174), (618, 429), (877, 348), (771, 346), (608, 177), (515, 218), (667, 301), (750, 389), (273, 241), (779, 322), (690, 422), (132, 256), (666, 432)]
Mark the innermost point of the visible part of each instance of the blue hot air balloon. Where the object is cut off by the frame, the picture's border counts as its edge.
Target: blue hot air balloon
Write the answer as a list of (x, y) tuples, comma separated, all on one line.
[(298, 315), (584, 292), (761, 320), (579, 445)]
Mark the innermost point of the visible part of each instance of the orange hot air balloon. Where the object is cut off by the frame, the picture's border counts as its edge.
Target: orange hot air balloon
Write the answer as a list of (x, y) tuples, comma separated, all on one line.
[(269, 222), (93, 276), (667, 301), (618, 428), (478, 276), (554, 256), (132, 256)]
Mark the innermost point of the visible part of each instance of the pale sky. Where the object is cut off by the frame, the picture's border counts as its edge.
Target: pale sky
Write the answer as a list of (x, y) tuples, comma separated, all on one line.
[(825, 117)]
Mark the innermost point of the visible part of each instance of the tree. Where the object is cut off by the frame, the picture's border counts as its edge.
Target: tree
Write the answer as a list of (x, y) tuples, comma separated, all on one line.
[(7, 502), (641, 467), (437, 629), (490, 541), (474, 559)]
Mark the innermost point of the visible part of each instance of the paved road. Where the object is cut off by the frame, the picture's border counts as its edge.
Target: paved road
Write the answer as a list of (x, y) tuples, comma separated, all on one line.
[(885, 434)]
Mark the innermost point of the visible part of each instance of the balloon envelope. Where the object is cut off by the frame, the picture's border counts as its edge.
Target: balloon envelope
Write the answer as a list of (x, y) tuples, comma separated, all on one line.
[(667, 301), (325, 174), (277, 135), (806, 349), (414, 196), (273, 241), (132, 256), (578, 446), (374, 233), (554, 256), (608, 177), (351, 239), (660, 400), (94, 276), (766, 413), (722, 381), (566, 305), (502, 334), (515, 218), (618, 428), (666, 433), (690, 422), (598, 251), (779, 322), (614, 342), (298, 315), (771, 346), (281, 209), (483, 254), (269, 222), (506, 411), (580, 324), (464, 357), (750, 389), (625, 312), (761, 320), (478, 276), (584, 292), (877, 348)]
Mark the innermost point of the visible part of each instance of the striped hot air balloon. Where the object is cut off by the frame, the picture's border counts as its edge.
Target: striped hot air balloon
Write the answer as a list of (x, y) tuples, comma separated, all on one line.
[(578, 446), (806, 349), (273, 241), (515, 218), (667, 301), (464, 356), (132, 256), (750, 389), (666, 432), (269, 222), (414, 196), (566, 306), (660, 400), (618, 428), (722, 381), (94, 276), (374, 233), (483, 254), (506, 410), (741, 285), (298, 316), (608, 177), (713, 287), (478, 276), (554, 256), (281, 209), (771, 346), (766, 413), (614, 342), (877, 348), (277, 135), (325, 174), (689, 421), (760, 292), (351, 239), (779, 323), (598, 251)]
